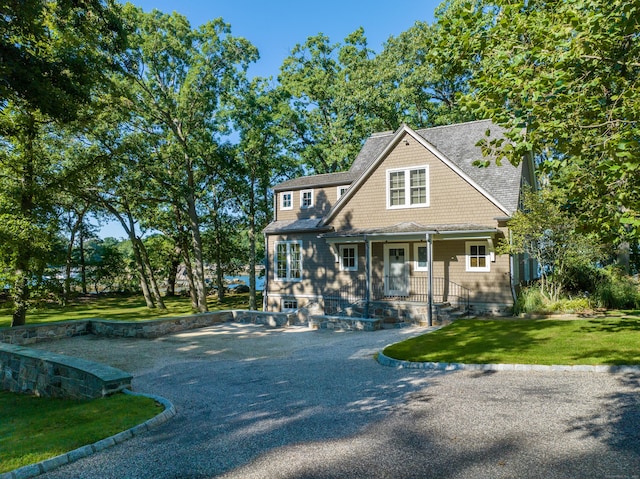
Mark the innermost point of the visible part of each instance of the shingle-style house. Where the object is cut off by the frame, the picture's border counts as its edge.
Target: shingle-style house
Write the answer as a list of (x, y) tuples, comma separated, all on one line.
[(413, 222)]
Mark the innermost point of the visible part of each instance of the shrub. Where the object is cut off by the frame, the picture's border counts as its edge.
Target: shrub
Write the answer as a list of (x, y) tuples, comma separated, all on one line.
[(532, 300), (617, 290)]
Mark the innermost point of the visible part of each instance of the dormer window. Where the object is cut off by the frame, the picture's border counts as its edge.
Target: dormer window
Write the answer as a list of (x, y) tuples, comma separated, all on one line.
[(408, 187), (306, 198)]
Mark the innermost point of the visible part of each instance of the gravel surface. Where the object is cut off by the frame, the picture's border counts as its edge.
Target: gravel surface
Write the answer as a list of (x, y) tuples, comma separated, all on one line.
[(295, 403)]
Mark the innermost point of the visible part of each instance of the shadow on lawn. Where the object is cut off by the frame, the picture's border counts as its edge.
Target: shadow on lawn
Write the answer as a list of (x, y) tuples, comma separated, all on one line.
[(472, 339)]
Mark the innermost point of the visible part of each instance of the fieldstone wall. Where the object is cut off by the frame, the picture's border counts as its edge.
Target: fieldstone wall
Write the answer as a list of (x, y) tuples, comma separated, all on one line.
[(36, 333), (44, 373)]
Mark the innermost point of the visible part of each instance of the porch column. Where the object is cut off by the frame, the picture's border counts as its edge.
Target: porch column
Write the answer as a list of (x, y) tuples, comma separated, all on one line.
[(430, 280), (367, 274)]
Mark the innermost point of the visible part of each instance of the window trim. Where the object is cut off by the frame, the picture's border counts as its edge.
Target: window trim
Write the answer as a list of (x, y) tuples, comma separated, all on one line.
[(289, 261), (282, 194), (302, 205), (407, 187), (339, 192), (344, 247), (283, 301), (487, 256), (416, 264)]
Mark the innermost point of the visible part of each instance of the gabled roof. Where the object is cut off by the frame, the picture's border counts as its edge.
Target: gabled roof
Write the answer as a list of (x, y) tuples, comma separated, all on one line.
[(456, 146), (459, 144)]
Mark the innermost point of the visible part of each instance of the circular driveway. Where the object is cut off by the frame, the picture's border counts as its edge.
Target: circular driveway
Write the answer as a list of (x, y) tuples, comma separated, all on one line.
[(295, 403)]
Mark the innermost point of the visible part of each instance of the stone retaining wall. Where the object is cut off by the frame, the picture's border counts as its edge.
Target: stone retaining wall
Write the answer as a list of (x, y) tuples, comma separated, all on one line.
[(44, 373), (36, 333), (47, 374)]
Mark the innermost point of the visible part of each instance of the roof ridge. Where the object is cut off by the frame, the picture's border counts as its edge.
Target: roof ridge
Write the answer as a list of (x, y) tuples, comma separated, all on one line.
[(439, 127)]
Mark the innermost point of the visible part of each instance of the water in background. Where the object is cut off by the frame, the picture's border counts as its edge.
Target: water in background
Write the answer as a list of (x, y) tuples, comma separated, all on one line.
[(233, 281)]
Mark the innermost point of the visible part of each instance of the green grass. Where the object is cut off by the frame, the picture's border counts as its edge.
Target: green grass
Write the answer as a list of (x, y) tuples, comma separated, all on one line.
[(122, 308), (33, 429), (609, 340)]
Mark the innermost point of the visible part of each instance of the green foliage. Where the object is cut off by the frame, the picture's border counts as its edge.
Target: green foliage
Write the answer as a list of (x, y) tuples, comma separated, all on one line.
[(615, 290), (35, 428), (531, 300), (547, 231), (55, 52), (562, 78)]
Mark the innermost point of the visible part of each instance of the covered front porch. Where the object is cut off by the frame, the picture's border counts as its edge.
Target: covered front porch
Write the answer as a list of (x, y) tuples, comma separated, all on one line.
[(410, 270)]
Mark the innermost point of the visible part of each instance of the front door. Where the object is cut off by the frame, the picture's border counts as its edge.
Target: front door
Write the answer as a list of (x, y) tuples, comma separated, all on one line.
[(396, 269)]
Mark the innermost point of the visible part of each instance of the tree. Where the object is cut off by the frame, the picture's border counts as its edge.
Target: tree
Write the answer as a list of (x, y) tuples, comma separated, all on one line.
[(53, 53), (549, 232), (257, 115), (562, 77), (179, 78), (329, 120)]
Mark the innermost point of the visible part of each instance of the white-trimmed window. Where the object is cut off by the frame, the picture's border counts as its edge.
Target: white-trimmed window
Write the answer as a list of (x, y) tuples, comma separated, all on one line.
[(288, 305), (288, 260), (420, 257), (348, 258), (408, 187), (342, 190), (286, 200), (478, 257), (306, 198)]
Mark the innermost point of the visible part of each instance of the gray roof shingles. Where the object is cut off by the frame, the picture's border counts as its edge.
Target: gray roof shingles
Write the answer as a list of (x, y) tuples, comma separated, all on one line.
[(458, 143)]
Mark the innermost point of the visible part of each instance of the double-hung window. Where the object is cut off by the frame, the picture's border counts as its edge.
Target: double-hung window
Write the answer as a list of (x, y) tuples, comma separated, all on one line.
[(478, 257), (348, 258), (408, 187), (286, 200), (306, 198), (288, 260)]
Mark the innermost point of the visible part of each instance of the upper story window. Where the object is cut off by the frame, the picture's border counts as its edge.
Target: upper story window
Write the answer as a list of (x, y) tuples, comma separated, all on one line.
[(408, 187), (306, 198), (478, 256), (348, 258), (342, 190), (286, 200), (288, 260)]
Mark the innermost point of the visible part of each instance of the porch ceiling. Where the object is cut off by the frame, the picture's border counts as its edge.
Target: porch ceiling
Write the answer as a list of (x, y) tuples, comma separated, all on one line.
[(409, 231)]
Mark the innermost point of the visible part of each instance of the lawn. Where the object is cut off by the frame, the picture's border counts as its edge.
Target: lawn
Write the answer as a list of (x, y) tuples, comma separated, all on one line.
[(123, 308), (35, 428), (610, 340)]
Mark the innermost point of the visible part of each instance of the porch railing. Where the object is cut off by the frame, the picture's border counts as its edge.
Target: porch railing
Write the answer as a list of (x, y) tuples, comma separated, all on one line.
[(416, 289), (413, 289), (339, 299)]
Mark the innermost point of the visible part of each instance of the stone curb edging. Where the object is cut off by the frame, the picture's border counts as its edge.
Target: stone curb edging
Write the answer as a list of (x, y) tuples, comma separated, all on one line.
[(48, 465), (397, 363)]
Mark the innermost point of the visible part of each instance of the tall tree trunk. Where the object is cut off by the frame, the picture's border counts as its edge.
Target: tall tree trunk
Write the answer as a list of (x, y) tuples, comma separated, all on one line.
[(83, 264), (23, 257), (190, 279), (152, 277), (173, 273), (129, 227), (75, 228), (252, 248), (198, 262)]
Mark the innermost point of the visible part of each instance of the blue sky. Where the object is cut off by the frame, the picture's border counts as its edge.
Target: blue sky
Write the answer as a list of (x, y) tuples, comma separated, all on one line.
[(276, 26)]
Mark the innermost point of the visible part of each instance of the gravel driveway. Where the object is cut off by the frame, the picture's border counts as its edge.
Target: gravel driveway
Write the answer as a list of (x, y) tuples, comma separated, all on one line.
[(295, 403)]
